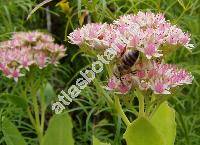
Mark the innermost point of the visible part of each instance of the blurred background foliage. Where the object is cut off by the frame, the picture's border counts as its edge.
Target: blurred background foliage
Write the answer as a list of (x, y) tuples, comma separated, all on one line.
[(90, 113)]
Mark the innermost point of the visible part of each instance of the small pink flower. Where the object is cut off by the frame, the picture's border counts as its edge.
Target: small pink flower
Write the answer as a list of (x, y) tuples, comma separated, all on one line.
[(41, 60), (112, 84), (76, 37), (47, 38), (6, 71), (122, 28), (2, 66), (122, 88), (140, 74), (144, 85), (134, 41), (119, 47), (184, 39), (26, 61), (159, 88), (150, 50), (122, 85), (31, 39), (152, 73), (15, 43), (15, 73)]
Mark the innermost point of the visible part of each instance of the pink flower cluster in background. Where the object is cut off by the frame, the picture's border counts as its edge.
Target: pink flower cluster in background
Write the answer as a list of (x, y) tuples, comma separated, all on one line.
[(28, 48), (151, 34)]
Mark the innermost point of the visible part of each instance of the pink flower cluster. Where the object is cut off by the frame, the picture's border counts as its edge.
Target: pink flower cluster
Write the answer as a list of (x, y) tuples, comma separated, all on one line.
[(153, 36), (146, 32), (158, 77), (26, 49)]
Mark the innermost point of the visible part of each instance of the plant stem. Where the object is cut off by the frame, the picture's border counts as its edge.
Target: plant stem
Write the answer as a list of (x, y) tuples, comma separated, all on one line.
[(141, 106), (31, 116), (36, 120), (141, 103), (37, 117), (24, 94), (120, 111), (150, 105), (43, 108)]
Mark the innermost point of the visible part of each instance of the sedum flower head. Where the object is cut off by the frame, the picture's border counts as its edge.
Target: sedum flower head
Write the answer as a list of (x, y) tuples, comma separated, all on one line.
[(150, 34), (94, 35), (158, 77), (147, 32), (26, 49)]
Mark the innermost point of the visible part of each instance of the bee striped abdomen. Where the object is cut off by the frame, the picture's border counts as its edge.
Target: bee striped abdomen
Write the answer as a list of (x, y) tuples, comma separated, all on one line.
[(128, 60), (123, 67)]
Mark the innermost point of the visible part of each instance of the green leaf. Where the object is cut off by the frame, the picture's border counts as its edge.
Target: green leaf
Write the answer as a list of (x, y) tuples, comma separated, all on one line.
[(37, 7), (142, 132), (164, 121), (97, 142), (11, 134), (49, 93), (59, 131), (17, 100)]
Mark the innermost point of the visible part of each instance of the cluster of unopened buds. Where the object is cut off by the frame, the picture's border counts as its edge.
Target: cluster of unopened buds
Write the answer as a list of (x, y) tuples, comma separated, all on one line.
[(25, 49), (150, 34)]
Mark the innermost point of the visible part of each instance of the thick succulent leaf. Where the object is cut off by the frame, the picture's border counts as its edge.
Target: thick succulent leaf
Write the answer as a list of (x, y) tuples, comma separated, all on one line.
[(164, 121), (59, 131), (142, 132), (97, 142), (11, 134)]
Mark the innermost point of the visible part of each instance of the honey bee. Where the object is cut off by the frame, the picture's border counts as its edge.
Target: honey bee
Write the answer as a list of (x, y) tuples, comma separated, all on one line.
[(127, 61)]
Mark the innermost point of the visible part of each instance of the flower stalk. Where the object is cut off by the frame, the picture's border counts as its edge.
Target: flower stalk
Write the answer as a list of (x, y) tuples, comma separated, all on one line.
[(141, 103), (120, 111), (37, 117)]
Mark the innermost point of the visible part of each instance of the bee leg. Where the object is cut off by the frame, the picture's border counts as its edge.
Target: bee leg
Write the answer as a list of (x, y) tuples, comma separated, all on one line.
[(125, 48), (122, 81), (116, 75)]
